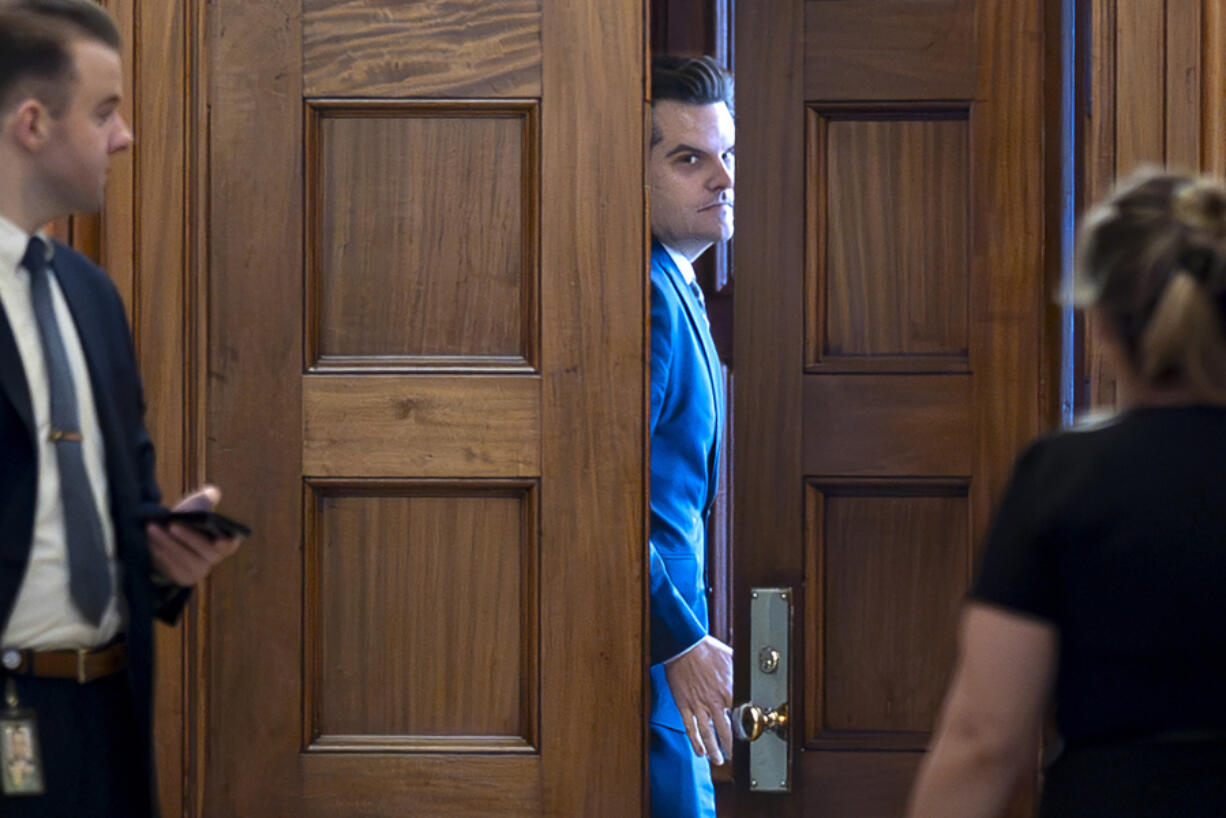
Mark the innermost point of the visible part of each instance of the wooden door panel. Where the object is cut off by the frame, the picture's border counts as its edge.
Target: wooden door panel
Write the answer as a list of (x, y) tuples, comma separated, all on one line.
[(864, 783), (422, 425), (887, 425), (340, 785), (889, 195), (881, 556), (889, 49), (888, 327), (437, 260), (409, 587), (427, 397), (435, 48)]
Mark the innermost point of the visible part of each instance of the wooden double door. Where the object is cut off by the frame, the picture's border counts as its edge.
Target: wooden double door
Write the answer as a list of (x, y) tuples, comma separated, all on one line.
[(422, 381)]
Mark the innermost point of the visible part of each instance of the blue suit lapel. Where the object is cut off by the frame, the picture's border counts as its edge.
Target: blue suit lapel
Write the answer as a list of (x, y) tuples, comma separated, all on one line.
[(698, 321)]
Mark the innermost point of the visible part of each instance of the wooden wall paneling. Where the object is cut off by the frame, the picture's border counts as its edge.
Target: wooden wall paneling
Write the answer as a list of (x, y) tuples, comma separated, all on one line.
[(594, 287), (1156, 97), (1098, 174), (163, 274), (462, 293), (141, 239), (1141, 85), (457, 48), (254, 227), (919, 50), (1213, 88), (412, 586), (1183, 84), (1007, 226), (196, 667)]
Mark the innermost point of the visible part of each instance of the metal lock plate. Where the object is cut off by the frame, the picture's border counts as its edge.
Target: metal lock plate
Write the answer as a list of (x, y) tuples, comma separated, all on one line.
[(770, 631)]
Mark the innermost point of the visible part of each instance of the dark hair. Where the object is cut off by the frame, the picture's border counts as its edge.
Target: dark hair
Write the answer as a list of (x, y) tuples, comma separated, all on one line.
[(1152, 257), (689, 80), (34, 40)]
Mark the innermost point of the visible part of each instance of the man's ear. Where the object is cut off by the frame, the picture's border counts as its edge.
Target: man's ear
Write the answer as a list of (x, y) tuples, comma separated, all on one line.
[(30, 124)]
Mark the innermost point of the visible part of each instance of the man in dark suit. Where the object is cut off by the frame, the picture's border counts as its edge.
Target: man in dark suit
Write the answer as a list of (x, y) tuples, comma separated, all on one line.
[(690, 170), (82, 570)]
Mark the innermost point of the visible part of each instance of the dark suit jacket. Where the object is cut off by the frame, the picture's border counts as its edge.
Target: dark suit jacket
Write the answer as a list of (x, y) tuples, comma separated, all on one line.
[(687, 410), (102, 326)]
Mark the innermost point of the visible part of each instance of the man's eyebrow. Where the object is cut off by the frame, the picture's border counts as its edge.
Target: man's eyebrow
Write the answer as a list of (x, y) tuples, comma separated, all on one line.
[(683, 149)]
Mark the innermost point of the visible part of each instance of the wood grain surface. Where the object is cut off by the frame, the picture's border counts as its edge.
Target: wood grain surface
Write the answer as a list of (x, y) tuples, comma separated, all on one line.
[(432, 48)]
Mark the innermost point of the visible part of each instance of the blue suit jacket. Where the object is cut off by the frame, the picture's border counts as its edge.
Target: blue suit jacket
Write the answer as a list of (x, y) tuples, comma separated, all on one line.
[(102, 326), (687, 411)]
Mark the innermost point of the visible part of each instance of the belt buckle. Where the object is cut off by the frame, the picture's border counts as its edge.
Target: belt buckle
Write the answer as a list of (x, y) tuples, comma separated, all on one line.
[(82, 678)]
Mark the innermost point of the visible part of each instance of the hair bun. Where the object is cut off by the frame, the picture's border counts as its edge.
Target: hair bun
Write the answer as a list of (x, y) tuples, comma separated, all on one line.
[(1201, 206)]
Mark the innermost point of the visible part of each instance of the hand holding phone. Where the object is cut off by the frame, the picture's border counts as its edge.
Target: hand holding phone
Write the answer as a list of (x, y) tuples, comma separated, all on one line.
[(211, 524), (204, 538)]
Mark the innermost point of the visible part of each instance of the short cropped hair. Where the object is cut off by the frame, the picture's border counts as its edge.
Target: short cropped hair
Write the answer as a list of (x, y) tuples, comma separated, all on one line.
[(690, 81), (34, 47)]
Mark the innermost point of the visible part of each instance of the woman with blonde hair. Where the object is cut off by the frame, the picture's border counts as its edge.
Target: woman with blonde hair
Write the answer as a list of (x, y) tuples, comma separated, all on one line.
[(1101, 584)]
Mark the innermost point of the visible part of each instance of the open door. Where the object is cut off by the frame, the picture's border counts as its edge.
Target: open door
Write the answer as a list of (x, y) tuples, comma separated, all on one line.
[(426, 286), (888, 356)]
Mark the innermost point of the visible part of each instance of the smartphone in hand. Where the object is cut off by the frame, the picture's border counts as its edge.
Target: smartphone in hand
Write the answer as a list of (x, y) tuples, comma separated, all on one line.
[(211, 524)]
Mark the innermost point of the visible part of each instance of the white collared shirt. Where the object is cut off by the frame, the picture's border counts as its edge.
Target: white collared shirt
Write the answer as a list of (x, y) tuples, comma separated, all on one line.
[(683, 264), (44, 616)]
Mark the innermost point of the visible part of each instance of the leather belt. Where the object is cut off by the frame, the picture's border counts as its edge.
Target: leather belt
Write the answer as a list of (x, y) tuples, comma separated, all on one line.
[(82, 664)]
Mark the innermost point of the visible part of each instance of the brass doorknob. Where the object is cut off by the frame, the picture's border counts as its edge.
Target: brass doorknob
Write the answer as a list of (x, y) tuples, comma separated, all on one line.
[(749, 721)]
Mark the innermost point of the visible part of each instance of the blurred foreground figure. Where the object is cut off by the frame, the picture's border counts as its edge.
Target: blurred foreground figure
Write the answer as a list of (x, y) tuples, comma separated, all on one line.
[(1100, 590)]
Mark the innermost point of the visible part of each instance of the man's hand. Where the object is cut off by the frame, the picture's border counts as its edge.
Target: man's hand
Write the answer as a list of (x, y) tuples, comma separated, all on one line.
[(701, 681), (182, 555)]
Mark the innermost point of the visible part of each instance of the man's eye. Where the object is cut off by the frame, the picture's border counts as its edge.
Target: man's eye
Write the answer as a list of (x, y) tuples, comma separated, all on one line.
[(689, 159)]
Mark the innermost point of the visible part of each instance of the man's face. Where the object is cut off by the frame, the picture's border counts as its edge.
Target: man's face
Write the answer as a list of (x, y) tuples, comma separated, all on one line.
[(691, 171), (77, 154)]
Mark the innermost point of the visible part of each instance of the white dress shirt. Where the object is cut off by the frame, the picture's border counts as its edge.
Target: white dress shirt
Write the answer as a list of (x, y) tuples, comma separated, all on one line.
[(44, 616), (683, 264)]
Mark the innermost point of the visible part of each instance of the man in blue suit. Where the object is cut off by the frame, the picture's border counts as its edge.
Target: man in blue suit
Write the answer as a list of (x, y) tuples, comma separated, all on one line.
[(82, 570), (691, 171)]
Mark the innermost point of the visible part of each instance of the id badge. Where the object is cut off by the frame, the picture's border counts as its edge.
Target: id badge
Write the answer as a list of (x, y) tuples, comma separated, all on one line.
[(21, 766)]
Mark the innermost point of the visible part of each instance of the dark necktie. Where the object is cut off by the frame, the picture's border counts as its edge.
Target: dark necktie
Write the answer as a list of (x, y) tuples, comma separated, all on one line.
[(89, 572), (702, 302)]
